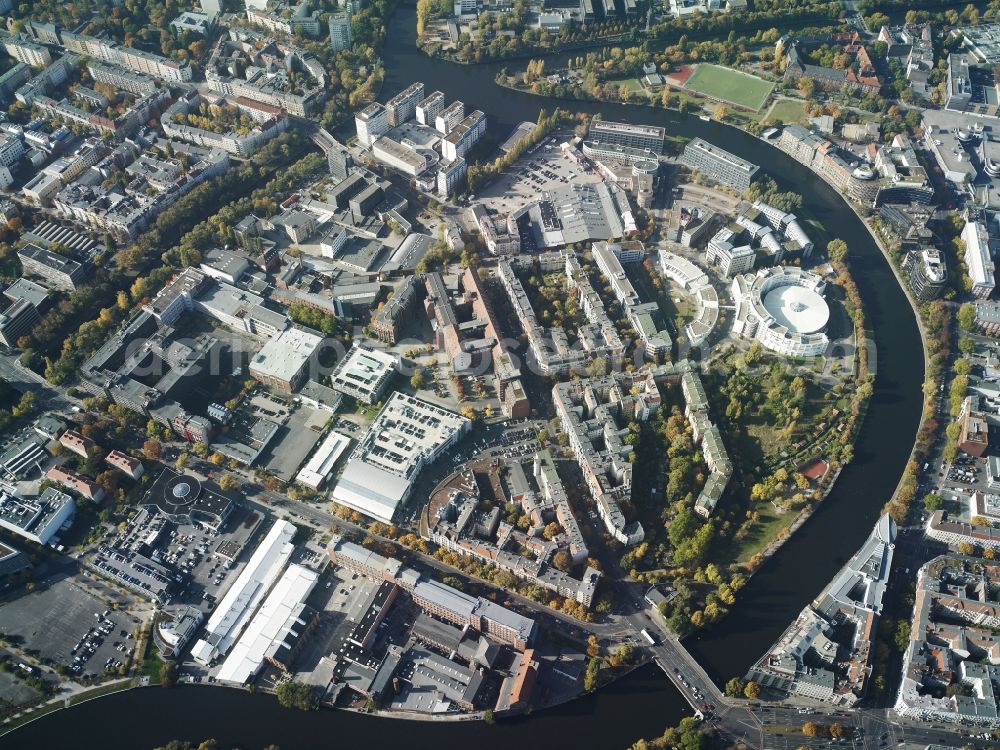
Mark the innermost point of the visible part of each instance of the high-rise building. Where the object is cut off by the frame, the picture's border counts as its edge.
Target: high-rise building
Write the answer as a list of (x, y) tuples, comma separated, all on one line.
[(340, 162), (429, 108), (211, 8), (340, 31), (450, 176), (404, 104), (371, 122)]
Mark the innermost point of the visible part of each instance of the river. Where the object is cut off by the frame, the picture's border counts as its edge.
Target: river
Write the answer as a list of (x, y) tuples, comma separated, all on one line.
[(644, 703)]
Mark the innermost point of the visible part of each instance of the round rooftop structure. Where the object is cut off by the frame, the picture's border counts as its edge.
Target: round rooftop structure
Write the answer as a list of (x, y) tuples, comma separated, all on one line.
[(783, 308), (797, 308), (180, 492)]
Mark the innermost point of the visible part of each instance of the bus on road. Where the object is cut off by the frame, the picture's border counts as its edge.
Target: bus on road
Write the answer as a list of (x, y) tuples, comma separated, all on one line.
[(649, 638)]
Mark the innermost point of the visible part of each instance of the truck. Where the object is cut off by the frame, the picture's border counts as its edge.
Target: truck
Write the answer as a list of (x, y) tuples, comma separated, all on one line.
[(649, 638)]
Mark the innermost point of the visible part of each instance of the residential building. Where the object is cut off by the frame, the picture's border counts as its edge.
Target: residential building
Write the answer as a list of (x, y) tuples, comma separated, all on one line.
[(76, 443), (340, 31), (372, 122), (449, 117), (403, 106), (78, 483), (126, 464), (451, 176), (463, 136), (428, 109)]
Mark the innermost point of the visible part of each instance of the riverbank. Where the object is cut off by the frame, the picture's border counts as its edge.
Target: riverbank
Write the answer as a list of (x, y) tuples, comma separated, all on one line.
[(143, 719)]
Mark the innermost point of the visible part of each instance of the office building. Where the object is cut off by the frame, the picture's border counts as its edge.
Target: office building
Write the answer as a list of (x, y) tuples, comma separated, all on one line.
[(398, 156), (926, 272), (958, 84), (340, 162), (719, 165), (438, 599), (626, 134), (783, 308), (283, 362), (978, 257), (37, 519), (372, 122), (18, 320), (364, 373), (403, 105), (406, 435), (192, 23), (241, 601), (211, 8), (56, 271)]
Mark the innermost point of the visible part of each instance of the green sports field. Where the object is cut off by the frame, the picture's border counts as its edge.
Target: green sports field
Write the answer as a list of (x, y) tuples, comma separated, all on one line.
[(729, 85)]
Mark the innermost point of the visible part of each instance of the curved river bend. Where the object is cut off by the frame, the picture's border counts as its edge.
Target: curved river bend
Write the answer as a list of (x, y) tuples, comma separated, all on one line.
[(644, 703)]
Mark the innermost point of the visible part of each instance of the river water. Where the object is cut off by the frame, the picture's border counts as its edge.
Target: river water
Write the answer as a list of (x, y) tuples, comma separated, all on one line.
[(642, 704)]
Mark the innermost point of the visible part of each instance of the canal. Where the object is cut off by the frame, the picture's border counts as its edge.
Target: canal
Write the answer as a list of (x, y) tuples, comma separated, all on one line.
[(644, 703)]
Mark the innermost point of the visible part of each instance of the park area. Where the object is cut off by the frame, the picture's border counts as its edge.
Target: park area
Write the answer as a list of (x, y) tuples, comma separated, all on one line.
[(731, 86)]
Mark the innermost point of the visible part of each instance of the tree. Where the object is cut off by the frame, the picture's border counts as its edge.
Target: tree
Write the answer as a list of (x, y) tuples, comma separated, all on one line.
[(837, 250), (229, 483), (811, 729), (182, 461), (418, 379), (295, 694), (562, 561), (752, 690), (932, 501), (152, 449), (967, 317), (168, 675), (837, 730), (734, 688)]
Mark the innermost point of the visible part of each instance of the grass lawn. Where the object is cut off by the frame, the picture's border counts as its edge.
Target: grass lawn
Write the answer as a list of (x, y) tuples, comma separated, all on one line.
[(763, 533), (787, 111), (632, 84), (729, 85)]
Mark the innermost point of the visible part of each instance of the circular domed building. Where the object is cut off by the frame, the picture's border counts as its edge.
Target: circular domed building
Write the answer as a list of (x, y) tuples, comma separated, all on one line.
[(783, 308)]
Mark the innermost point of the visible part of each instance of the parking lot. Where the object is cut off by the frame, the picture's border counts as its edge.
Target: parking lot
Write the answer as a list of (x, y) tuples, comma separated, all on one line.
[(69, 626), (544, 168)]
